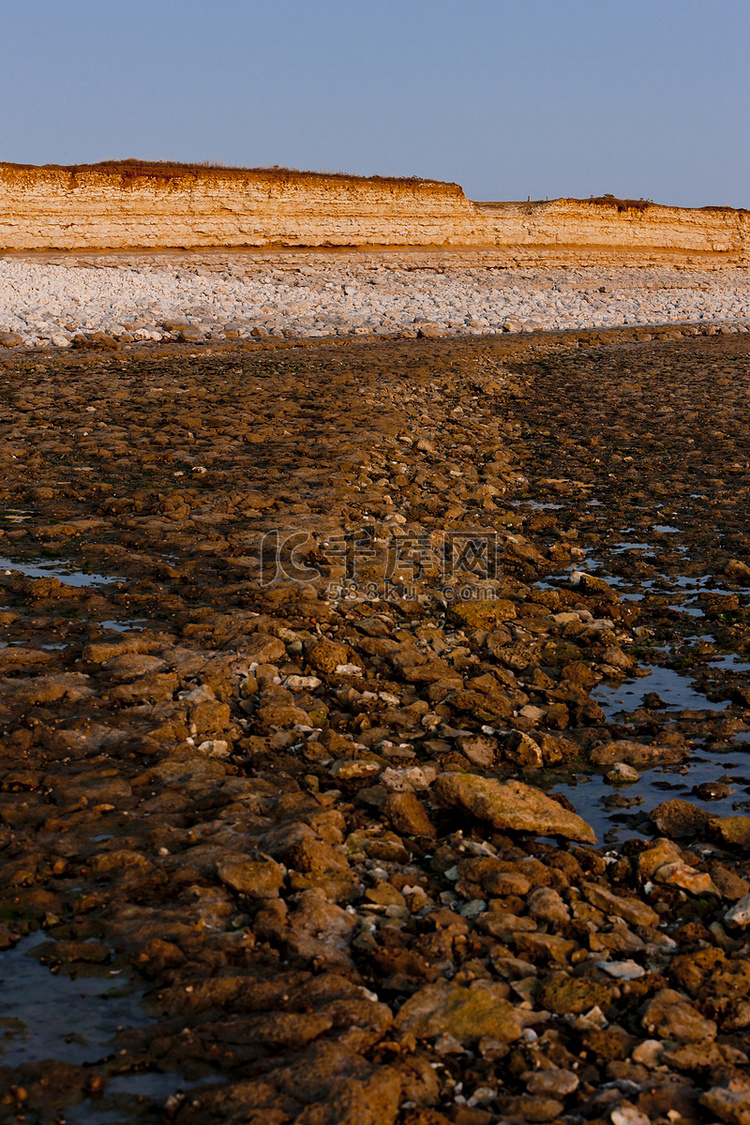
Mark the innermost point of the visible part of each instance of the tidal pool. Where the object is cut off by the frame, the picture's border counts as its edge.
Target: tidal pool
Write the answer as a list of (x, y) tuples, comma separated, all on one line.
[(48, 1015)]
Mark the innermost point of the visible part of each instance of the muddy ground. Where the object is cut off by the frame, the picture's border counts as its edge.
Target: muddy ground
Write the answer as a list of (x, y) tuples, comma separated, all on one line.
[(376, 732)]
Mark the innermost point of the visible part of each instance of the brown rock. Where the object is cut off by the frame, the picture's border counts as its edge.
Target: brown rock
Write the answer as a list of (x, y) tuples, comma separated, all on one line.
[(679, 819), (730, 1105), (132, 665), (346, 769), (419, 1082), (555, 749), (468, 1014), (592, 584), (308, 854), (546, 905), (495, 707), (262, 649), (122, 859), (552, 1083), (573, 995), (544, 947), (71, 686), (320, 931), (670, 1016), (92, 952), (487, 875), (11, 659), (663, 851), (631, 909), (479, 749), (536, 1109), (373, 1101), (580, 675), (738, 570), (147, 689), (326, 657), (607, 1043), (407, 815), (523, 750), (255, 878), (701, 1058), (92, 787), (690, 970), (99, 652), (514, 806), (481, 614), (498, 639), (733, 830), (210, 716), (686, 877), (634, 753), (730, 885), (284, 716)]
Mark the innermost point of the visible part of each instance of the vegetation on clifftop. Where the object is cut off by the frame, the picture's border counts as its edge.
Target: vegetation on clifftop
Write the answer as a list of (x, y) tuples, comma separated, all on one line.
[(166, 170)]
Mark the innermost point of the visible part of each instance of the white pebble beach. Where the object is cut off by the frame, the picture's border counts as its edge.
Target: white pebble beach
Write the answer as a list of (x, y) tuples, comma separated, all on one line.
[(47, 299)]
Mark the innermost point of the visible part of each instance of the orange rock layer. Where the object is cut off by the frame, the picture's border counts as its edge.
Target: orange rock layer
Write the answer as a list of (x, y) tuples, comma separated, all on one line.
[(132, 206)]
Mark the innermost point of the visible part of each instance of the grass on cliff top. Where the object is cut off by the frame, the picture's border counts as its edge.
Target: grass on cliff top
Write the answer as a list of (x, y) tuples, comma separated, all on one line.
[(165, 170), (621, 204), (644, 204)]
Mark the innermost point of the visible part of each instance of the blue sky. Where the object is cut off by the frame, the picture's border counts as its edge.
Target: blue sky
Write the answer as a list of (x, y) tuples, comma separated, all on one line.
[(510, 98)]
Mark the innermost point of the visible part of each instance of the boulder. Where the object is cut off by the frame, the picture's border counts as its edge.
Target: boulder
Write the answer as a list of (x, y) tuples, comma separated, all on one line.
[(512, 805), (468, 1014), (679, 819), (670, 1016)]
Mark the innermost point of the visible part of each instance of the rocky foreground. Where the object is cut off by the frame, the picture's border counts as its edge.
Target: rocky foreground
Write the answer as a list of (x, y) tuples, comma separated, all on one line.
[(300, 643)]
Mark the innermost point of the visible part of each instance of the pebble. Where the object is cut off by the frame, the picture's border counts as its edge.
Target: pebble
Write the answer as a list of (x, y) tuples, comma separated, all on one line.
[(622, 774), (739, 913), (626, 1114), (62, 300), (623, 970)]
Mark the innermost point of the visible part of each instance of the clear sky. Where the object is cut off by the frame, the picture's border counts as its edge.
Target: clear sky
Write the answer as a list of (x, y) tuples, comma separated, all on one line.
[(510, 98)]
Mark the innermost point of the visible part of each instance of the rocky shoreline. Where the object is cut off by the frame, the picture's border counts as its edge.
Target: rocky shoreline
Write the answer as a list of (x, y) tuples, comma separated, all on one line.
[(60, 300), (313, 655)]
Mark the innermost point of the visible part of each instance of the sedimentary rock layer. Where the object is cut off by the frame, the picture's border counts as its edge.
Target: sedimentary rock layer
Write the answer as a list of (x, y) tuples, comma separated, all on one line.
[(123, 206)]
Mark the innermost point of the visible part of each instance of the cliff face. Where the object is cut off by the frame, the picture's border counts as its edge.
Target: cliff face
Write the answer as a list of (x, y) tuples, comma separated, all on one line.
[(57, 208)]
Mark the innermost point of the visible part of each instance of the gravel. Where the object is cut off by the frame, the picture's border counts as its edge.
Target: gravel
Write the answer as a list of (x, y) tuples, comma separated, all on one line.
[(47, 300)]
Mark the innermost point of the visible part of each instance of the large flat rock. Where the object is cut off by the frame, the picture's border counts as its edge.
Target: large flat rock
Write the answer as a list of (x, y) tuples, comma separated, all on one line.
[(511, 805)]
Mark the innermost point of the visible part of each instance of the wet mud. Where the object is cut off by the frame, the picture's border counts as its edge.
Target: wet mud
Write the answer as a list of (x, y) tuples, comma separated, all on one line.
[(376, 732)]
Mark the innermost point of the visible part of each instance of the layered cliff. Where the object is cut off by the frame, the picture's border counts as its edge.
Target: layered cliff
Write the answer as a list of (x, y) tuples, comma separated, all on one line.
[(130, 205)]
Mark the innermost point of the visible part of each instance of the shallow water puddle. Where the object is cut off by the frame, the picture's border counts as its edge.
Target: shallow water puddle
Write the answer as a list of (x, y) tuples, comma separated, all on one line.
[(614, 811), (690, 610), (675, 690), (535, 505), (48, 1015), (732, 662), (59, 569), (124, 626), (617, 811), (124, 1094)]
